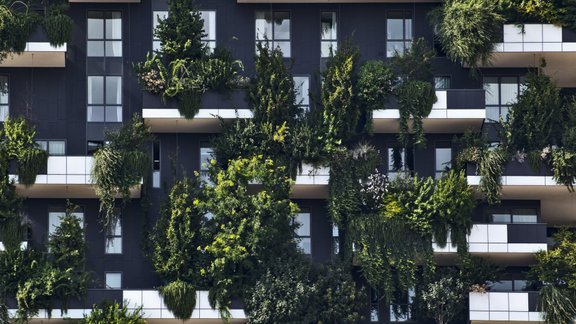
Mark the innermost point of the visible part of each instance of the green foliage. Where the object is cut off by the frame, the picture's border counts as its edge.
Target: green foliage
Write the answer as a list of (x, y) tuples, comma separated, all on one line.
[(415, 64), (490, 167), (535, 120), (180, 298), (453, 202), (184, 69), (112, 313), (251, 229), (564, 167), (119, 166), (341, 111), (58, 29), (272, 96), (296, 291), (415, 101), (468, 30), (375, 85), (557, 304), (443, 299), (15, 28)]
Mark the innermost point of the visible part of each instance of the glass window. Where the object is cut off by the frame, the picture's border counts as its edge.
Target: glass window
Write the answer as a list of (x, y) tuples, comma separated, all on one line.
[(113, 90), (206, 155), (95, 90), (104, 90), (503, 285), (92, 146), (329, 33), (501, 218), (529, 216), (156, 164), (398, 32), (113, 280), (302, 89), (303, 232), (54, 148), (4, 94), (520, 285), (501, 93), (335, 239), (104, 35), (441, 82), (399, 161), (273, 28), (443, 161), (114, 239), (55, 218), (209, 39)]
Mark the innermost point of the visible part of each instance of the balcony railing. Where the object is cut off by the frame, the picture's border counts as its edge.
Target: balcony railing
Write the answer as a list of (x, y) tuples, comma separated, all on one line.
[(503, 238), (455, 111), (65, 177), (504, 306), (38, 53), (164, 117)]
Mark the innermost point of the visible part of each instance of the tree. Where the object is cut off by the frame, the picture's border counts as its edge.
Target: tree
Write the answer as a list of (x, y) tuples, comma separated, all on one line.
[(443, 299), (112, 313)]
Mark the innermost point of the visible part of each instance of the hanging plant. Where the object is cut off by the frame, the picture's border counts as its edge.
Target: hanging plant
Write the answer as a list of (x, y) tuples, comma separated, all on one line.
[(58, 28), (119, 166), (468, 30), (415, 101), (180, 298), (375, 84), (16, 26)]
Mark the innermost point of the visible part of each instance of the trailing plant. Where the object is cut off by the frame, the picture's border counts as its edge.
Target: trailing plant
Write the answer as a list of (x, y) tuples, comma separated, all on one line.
[(120, 165), (252, 229), (58, 27), (341, 111), (376, 81), (113, 313), (415, 64), (468, 30), (415, 101), (180, 298), (16, 25), (564, 167), (557, 304), (453, 202)]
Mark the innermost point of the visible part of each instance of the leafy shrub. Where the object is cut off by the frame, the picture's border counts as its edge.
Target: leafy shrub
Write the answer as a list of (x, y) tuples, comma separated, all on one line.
[(112, 313), (58, 29), (180, 298)]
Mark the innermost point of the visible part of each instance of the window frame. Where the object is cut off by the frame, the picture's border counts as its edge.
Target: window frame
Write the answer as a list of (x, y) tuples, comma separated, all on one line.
[(406, 42), (106, 15), (113, 236), (47, 144), (331, 41), (61, 213), (511, 212), (106, 286), (303, 238), (6, 105), (520, 79), (304, 107), (442, 146), (273, 40), (211, 43), (104, 105)]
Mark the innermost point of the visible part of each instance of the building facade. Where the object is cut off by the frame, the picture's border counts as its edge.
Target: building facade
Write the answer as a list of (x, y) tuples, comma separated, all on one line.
[(74, 92)]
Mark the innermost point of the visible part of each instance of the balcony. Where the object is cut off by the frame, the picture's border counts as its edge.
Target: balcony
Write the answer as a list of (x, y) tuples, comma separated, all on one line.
[(525, 45), (311, 183), (65, 177), (504, 307), (38, 53), (455, 111), (521, 182), (153, 306), (503, 243), (164, 117)]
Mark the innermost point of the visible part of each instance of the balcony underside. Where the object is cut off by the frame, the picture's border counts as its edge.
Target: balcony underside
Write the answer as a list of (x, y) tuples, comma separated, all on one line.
[(559, 65), (37, 55), (162, 120), (440, 121), (503, 259), (63, 190)]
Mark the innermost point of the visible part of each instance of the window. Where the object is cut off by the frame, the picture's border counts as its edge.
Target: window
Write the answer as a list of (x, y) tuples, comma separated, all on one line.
[(206, 155), (508, 285), (501, 93), (4, 94), (516, 216), (302, 89), (273, 28), (209, 39), (104, 34), (156, 164), (113, 280), (55, 218), (335, 240), (156, 17), (441, 82), (404, 303), (443, 161), (374, 298), (93, 146), (329, 34), (114, 239), (104, 99), (399, 32), (54, 148), (399, 161), (209, 17), (303, 232)]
